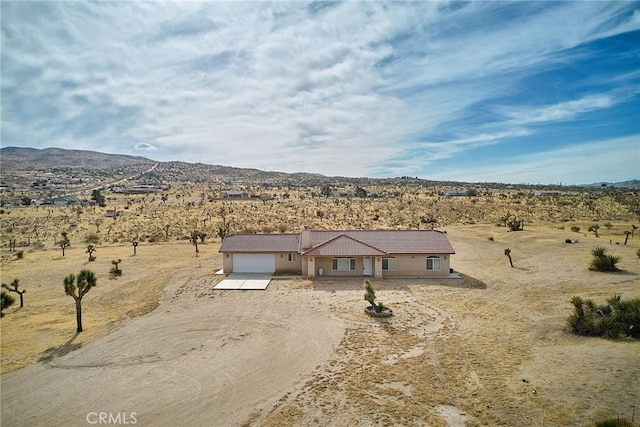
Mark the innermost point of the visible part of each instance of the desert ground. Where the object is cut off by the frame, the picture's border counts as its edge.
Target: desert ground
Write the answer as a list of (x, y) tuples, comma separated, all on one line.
[(161, 347)]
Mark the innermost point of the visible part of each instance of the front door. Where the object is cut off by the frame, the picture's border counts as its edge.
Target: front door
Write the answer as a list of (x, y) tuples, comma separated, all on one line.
[(367, 269)]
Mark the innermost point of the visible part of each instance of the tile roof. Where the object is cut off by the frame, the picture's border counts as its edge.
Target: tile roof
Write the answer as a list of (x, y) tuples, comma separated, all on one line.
[(391, 241), (344, 243), (254, 243)]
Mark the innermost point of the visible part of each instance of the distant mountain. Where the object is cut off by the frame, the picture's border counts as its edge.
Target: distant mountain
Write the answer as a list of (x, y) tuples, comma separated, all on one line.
[(22, 158), (33, 159), (633, 184)]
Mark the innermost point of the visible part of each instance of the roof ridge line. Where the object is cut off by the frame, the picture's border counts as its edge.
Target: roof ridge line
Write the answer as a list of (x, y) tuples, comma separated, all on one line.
[(348, 237)]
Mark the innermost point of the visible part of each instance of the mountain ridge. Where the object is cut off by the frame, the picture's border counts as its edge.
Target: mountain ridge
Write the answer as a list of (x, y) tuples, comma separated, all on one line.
[(28, 158)]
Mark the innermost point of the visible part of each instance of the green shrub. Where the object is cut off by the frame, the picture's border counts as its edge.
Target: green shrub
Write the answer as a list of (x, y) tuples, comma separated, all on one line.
[(612, 320), (603, 262), (575, 228), (6, 300), (614, 422), (19, 254)]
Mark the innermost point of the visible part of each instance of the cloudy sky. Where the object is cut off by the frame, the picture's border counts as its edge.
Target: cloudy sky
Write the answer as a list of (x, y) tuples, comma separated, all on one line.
[(523, 92)]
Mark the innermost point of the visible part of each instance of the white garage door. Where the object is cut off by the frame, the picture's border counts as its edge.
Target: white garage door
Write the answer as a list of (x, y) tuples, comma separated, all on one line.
[(254, 263)]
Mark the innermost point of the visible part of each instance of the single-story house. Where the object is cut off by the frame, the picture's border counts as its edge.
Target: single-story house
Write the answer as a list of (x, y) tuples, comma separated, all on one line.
[(374, 253)]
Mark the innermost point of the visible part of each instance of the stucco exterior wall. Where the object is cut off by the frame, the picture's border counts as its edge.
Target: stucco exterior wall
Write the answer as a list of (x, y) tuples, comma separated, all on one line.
[(416, 265), (327, 265), (406, 265), (227, 263), (284, 266)]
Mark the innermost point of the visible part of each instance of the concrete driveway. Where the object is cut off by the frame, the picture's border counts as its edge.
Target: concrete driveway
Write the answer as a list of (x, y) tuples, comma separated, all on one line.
[(245, 281)]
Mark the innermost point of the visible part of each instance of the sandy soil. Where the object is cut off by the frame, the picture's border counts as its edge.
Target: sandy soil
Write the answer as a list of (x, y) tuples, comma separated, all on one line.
[(488, 349)]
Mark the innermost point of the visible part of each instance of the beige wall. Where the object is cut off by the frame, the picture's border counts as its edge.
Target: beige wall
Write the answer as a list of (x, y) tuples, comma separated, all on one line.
[(283, 265), (227, 263), (416, 265), (406, 265)]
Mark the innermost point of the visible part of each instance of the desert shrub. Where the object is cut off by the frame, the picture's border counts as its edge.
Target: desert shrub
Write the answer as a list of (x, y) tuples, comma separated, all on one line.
[(19, 254), (490, 238), (603, 262), (37, 245), (568, 241), (515, 224), (115, 270), (614, 422), (6, 300), (612, 320), (92, 238), (575, 228)]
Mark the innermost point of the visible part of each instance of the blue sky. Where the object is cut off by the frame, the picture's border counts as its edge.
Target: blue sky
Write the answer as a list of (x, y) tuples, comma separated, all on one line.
[(522, 92)]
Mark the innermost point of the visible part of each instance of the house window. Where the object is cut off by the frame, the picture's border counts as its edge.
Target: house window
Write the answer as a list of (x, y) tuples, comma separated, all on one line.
[(344, 264), (433, 262), (388, 264), (291, 257)]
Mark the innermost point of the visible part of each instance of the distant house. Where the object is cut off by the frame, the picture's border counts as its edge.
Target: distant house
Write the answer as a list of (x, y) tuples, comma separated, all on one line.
[(234, 194), (452, 193), (368, 253)]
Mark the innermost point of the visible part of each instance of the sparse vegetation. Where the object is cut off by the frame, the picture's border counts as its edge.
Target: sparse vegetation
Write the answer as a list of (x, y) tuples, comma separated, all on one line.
[(405, 203), (575, 228)]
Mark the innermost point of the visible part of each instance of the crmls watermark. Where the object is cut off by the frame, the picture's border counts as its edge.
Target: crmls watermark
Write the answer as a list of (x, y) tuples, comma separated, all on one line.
[(106, 418)]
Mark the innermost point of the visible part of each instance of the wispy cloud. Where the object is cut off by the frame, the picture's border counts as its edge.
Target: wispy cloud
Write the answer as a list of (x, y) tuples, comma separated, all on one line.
[(143, 146), (574, 164), (351, 88)]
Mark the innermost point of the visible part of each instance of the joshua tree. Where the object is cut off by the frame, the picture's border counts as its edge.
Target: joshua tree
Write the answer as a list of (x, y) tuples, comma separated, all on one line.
[(135, 247), (633, 229), (115, 270), (166, 231), (64, 242), (90, 250), (195, 235), (370, 296), (224, 227), (6, 300), (77, 288), (627, 233), (594, 229), (14, 288), (507, 252)]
